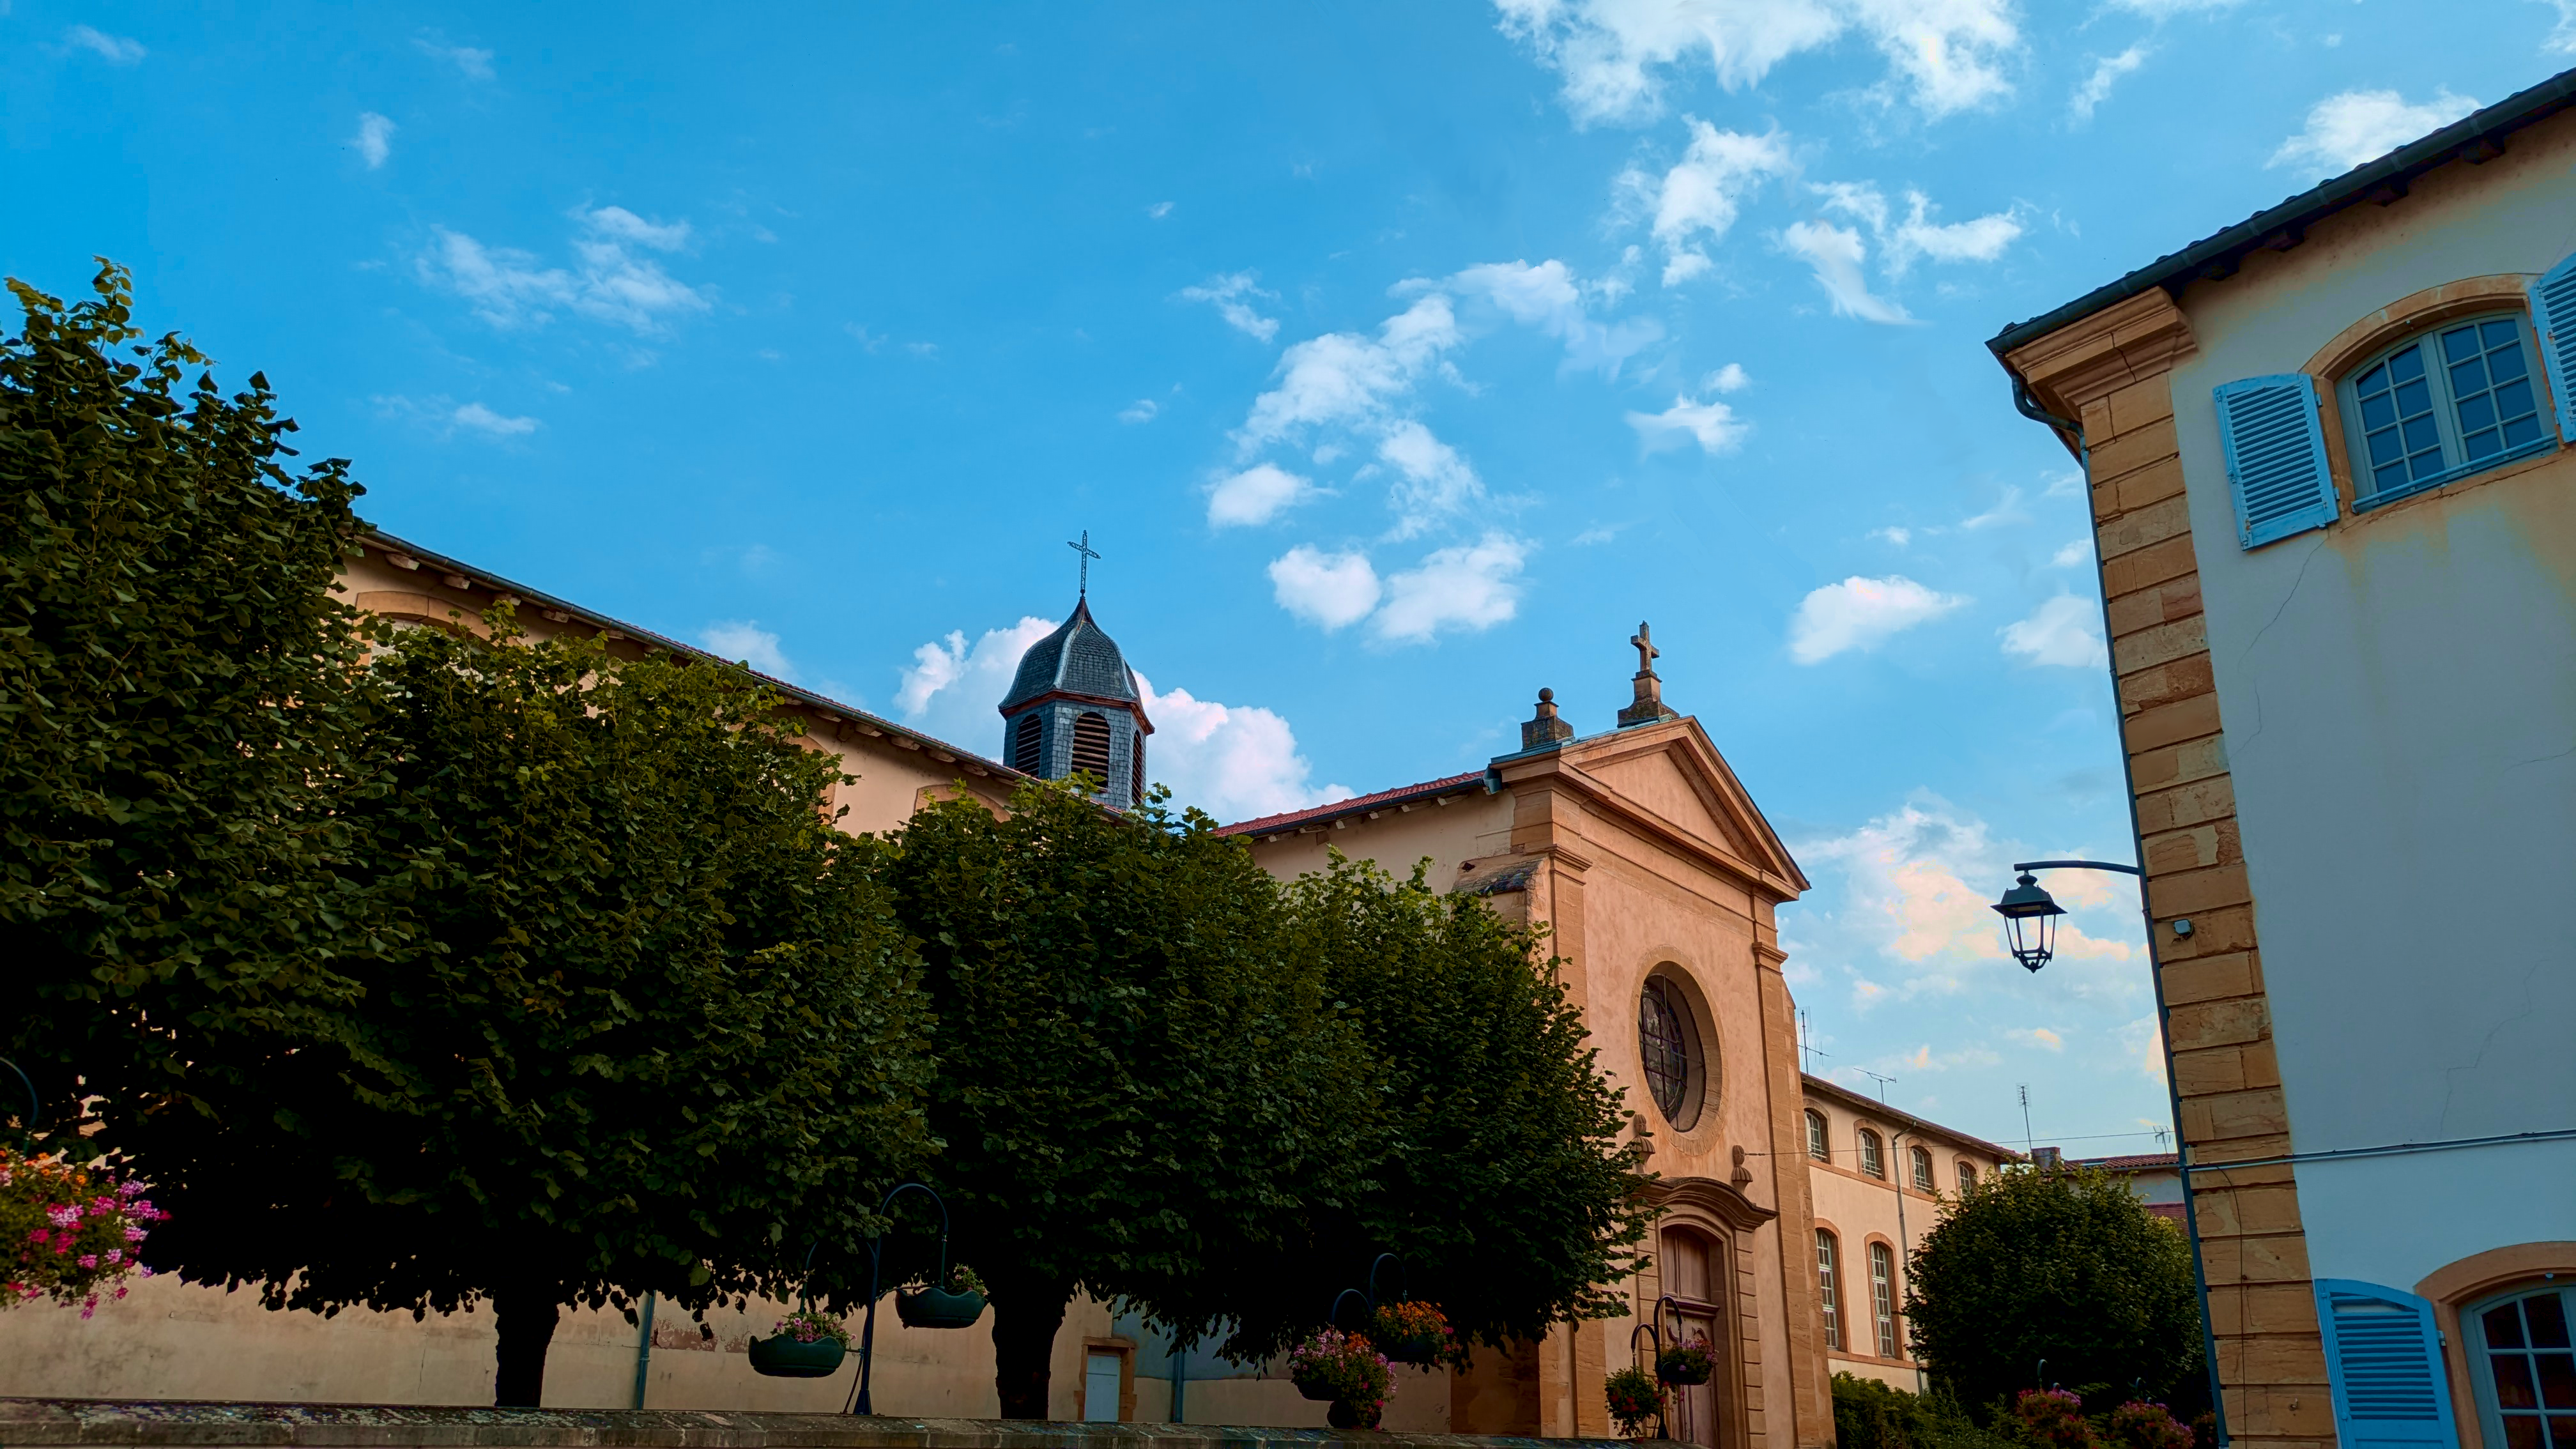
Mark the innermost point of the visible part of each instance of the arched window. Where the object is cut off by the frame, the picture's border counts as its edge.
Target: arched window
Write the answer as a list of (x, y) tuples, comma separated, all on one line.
[(1967, 1176), (2525, 1366), (1922, 1161), (1668, 1048), (1873, 1160), (1819, 1146), (1027, 755), (1827, 1279), (1882, 1296), (1091, 746), (1136, 771), (2445, 402)]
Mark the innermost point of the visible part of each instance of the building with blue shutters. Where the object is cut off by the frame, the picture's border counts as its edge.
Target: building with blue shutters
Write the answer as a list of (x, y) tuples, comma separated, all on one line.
[(2334, 501), (1074, 707)]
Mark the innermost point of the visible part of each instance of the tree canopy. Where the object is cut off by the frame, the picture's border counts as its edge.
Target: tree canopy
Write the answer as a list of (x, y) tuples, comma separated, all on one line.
[(651, 1026), (1139, 1093), (2064, 1265)]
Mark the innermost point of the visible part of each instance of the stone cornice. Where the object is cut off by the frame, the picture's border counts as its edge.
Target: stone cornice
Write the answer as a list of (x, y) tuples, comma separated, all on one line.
[(2087, 360), (1724, 1203)]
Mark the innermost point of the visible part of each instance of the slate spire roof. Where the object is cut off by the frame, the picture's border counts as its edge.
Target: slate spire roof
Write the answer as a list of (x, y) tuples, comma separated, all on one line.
[(1076, 659)]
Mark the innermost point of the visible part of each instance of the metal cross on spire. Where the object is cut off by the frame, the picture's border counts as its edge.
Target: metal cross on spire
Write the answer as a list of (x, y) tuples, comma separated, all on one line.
[(1088, 554)]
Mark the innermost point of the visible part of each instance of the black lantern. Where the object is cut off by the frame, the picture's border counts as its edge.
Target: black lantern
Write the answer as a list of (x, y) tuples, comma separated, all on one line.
[(2030, 921)]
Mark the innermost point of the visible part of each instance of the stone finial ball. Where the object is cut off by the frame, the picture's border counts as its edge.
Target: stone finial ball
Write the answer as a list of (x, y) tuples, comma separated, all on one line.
[(1547, 696)]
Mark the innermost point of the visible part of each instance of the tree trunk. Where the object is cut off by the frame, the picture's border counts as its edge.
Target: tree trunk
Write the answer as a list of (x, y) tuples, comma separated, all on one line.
[(525, 1314), (1025, 1318)]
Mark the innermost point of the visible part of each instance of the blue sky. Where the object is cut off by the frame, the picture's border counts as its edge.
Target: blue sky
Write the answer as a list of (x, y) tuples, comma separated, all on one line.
[(1398, 359)]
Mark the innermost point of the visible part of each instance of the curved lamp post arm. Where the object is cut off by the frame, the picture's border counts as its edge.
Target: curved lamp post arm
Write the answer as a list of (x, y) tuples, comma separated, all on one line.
[(876, 1263), (2078, 865)]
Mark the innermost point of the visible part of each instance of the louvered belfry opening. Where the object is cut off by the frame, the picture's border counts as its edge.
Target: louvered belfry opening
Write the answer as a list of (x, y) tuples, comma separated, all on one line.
[(1136, 771), (1091, 745), (1027, 745)]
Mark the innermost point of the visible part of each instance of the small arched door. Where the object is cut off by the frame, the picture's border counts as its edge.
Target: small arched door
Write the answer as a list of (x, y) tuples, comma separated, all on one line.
[(1694, 1275)]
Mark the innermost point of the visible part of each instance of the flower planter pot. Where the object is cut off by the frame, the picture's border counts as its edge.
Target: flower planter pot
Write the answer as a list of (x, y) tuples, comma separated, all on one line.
[(1683, 1368), (1315, 1389), (1345, 1415), (782, 1357), (938, 1308)]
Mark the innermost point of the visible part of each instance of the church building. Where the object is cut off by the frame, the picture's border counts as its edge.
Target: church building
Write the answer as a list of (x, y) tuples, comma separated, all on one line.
[(1634, 845)]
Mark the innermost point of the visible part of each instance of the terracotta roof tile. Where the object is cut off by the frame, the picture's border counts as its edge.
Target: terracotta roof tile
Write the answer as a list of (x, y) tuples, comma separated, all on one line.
[(1290, 820)]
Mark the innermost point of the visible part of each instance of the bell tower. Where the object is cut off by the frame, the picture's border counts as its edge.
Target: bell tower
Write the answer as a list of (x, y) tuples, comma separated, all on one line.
[(1075, 707)]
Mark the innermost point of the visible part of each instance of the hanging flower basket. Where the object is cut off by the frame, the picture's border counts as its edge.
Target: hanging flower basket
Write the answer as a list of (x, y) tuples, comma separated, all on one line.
[(806, 1345), (783, 1357), (957, 1305), (69, 1233), (1634, 1399), (1413, 1333), (1686, 1364), (1346, 1369)]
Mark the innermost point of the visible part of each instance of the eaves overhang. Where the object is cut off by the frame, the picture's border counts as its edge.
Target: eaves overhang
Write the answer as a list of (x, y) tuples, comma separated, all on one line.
[(566, 611), (2476, 138)]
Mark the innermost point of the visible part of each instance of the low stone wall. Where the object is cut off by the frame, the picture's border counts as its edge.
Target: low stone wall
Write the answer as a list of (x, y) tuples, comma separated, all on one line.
[(65, 1422)]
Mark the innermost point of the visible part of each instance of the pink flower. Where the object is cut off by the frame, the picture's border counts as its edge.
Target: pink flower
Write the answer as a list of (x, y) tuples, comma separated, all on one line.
[(87, 1260), (120, 1290), (144, 1268), (128, 1189), (116, 1255), (64, 1216), (40, 1236), (136, 1235)]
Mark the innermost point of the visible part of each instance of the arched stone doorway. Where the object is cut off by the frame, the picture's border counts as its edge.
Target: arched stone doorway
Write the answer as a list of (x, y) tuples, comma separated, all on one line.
[(1704, 1261)]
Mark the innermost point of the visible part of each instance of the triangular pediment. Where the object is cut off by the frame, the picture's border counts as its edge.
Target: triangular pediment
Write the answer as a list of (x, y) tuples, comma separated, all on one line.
[(1673, 773)]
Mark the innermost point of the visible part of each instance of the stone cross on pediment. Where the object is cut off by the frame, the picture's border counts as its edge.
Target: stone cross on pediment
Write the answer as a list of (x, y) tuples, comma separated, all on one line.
[(1647, 653), (1648, 707)]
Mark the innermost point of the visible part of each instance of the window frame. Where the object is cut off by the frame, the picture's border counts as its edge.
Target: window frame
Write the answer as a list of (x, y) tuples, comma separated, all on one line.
[(2445, 410), (2473, 1329), (1967, 1175), (1820, 1138), (1872, 1153), (1882, 1298), (1829, 1257), (1920, 1160)]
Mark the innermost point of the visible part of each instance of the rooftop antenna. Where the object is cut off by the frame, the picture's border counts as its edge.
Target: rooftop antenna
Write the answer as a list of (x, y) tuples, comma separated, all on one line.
[(1882, 1084), (1084, 548), (1807, 1044), (2025, 1119)]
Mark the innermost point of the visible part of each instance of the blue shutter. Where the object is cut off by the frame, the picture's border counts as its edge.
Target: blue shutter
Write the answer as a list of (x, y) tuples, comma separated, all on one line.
[(2385, 1360), (2276, 457), (2553, 316)]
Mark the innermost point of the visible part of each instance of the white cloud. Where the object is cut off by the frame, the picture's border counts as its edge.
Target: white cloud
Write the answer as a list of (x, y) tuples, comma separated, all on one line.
[(2562, 37), (2347, 129), (2064, 632), (2007, 509), (1233, 761), (1861, 613), (483, 420), (1730, 378), (2071, 553), (1892, 534), (2167, 9), (1432, 481), (1159, 210), (1836, 254), (1948, 54), (2069, 484), (1346, 378), (1227, 295), (953, 689), (114, 49), (1705, 191), (1256, 495), (1142, 410), (2040, 1036), (1468, 587), (743, 640), (1548, 297), (1917, 235), (619, 224), (2144, 1041), (2106, 74), (477, 64), (510, 288), (1327, 589), (375, 139), (1712, 423)]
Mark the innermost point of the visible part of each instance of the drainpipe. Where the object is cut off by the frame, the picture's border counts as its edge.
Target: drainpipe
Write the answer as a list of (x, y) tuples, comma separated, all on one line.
[(1180, 1367), (643, 1349), (1904, 1247), (2029, 407)]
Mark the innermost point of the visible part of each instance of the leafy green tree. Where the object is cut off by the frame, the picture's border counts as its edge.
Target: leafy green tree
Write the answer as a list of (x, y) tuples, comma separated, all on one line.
[(2064, 1265), (652, 1027), (1493, 1168), (180, 712), (1141, 1095)]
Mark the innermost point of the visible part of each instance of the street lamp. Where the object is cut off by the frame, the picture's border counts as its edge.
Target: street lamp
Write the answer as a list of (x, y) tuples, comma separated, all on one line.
[(2030, 915), (2030, 930)]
